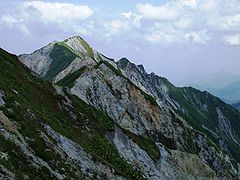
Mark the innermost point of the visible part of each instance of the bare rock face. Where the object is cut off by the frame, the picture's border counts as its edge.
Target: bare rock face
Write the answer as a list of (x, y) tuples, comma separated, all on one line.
[(188, 127), (1, 99), (39, 61)]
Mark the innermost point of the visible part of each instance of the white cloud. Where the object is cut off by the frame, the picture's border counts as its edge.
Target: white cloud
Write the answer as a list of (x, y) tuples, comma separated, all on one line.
[(208, 5), (164, 12), (12, 22), (81, 30), (163, 37), (128, 15), (172, 36), (183, 22), (173, 21), (65, 15), (117, 24), (200, 37), (114, 28), (9, 19), (233, 21), (233, 40), (56, 12), (133, 18), (190, 3)]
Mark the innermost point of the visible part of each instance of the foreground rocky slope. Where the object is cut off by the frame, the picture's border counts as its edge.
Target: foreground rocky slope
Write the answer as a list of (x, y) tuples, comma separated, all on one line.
[(106, 119)]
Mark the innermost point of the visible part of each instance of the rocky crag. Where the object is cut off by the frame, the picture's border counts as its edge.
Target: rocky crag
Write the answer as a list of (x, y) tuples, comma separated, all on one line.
[(71, 112)]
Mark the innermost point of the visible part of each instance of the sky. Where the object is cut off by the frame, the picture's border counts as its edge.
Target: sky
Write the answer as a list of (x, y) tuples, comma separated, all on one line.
[(176, 39)]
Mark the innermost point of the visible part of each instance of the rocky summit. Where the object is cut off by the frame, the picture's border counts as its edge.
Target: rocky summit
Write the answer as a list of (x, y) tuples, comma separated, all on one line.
[(69, 112)]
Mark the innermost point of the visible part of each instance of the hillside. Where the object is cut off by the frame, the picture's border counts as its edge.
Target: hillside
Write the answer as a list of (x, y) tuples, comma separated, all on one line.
[(78, 114)]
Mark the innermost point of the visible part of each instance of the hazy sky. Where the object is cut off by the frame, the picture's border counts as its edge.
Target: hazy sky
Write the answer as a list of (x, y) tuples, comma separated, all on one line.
[(175, 38)]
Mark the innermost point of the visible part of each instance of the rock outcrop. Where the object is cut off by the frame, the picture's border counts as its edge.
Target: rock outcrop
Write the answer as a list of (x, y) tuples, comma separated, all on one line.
[(114, 120)]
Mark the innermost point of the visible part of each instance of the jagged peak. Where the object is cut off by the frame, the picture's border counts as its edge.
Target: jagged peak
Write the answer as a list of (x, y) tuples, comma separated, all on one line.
[(124, 62), (79, 46), (75, 38), (141, 67)]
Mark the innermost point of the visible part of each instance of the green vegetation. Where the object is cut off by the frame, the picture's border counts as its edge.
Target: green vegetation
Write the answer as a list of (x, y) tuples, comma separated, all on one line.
[(69, 80), (65, 45), (36, 104), (196, 116), (61, 58), (149, 98), (87, 47), (145, 143), (97, 144), (18, 163), (117, 71)]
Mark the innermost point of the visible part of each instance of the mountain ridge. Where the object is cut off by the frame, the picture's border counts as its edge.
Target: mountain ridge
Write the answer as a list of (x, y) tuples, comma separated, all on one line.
[(184, 127), (98, 59)]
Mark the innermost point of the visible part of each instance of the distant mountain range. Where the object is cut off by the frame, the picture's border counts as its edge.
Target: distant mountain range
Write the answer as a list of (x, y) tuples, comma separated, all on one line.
[(229, 93), (236, 105), (222, 84)]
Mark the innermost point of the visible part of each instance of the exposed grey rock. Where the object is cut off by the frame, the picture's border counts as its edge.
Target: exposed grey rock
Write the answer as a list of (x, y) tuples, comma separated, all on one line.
[(6, 174), (39, 61), (1, 100), (141, 103), (225, 126), (173, 164), (79, 156), (11, 133), (136, 156)]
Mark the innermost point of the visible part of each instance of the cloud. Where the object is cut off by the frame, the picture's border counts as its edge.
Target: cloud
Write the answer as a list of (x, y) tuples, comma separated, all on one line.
[(53, 15), (12, 22), (47, 12), (162, 37), (133, 18), (9, 19), (199, 37), (56, 12), (190, 3), (183, 22), (208, 5), (232, 22), (233, 40), (171, 22), (164, 12), (117, 24)]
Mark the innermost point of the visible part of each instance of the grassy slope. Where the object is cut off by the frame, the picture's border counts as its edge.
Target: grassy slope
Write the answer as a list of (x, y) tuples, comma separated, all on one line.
[(61, 57), (38, 97), (69, 80), (197, 117)]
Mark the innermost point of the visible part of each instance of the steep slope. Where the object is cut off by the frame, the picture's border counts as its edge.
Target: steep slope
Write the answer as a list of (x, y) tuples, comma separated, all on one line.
[(201, 110), (150, 112), (50, 136), (46, 135)]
